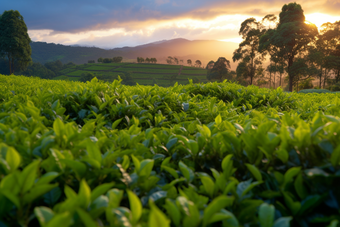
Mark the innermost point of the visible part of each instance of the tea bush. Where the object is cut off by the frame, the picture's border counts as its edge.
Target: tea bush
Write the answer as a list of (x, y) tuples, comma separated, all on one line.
[(218, 154)]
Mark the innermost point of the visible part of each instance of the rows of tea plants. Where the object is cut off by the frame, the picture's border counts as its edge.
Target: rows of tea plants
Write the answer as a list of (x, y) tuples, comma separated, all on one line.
[(215, 154)]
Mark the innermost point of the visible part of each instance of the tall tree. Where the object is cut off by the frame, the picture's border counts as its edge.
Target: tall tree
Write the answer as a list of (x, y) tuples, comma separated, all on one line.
[(290, 37), (189, 62), (14, 40), (248, 52), (329, 41)]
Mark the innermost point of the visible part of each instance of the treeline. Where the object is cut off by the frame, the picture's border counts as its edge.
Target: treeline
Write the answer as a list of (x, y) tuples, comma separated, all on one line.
[(48, 70), (146, 60), (174, 60), (297, 51), (109, 60)]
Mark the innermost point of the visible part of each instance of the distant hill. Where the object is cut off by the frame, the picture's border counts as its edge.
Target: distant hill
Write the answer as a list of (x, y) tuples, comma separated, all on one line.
[(203, 50)]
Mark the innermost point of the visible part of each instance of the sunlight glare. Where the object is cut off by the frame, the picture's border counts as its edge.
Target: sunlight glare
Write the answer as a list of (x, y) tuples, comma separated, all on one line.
[(319, 18)]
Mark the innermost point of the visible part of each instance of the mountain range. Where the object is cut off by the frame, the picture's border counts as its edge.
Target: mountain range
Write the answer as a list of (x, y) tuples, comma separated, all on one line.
[(183, 49)]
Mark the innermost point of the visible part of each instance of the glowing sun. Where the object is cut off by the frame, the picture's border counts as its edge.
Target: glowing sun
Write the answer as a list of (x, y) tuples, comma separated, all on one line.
[(319, 18)]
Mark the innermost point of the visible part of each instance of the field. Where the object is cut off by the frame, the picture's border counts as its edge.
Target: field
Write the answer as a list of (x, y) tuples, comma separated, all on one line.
[(214, 154), (138, 72)]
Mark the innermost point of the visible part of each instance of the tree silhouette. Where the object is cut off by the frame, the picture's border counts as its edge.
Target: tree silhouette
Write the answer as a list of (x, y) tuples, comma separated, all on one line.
[(189, 62), (291, 36), (248, 52), (219, 69), (198, 63)]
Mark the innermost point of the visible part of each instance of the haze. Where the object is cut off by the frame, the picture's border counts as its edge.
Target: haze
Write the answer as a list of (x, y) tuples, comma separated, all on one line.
[(110, 24)]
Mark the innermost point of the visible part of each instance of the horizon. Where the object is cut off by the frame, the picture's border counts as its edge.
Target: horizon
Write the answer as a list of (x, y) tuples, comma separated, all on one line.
[(109, 25)]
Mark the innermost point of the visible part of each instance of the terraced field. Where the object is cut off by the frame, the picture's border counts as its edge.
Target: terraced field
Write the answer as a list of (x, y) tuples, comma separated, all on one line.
[(145, 74)]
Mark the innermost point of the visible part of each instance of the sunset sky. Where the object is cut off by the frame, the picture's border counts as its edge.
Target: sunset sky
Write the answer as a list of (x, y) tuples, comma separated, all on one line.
[(111, 23)]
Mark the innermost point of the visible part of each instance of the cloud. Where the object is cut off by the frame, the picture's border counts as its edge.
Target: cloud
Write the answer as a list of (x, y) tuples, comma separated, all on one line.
[(133, 22)]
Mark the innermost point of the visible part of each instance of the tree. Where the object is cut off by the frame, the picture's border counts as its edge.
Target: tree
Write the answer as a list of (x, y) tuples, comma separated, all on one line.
[(176, 60), (271, 68), (100, 59), (248, 52), (220, 69), (189, 62), (107, 60), (14, 40), (117, 59), (54, 66), (140, 59), (291, 36), (39, 70), (326, 53), (86, 77), (169, 60), (198, 63), (127, 79), (210, 65)]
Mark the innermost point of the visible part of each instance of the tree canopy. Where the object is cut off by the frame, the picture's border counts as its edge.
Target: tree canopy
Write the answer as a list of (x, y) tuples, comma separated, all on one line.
[(219, 69), (14, 40), (290, 37)]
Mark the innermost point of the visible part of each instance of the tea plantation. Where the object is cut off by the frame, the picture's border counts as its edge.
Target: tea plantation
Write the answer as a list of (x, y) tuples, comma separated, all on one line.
[(143, 74), (215, 154)]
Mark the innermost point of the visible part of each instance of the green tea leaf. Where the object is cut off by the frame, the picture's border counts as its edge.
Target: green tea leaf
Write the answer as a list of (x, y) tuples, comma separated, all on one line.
[(215, 206), (86, 218), (186, 171), (146, 167), (135, 206), (282, 222), (93, 151), (100, 190), (13, 158), (173, 211), (62, 219), (38, 190), (266, 215), (256, 173), (28, 175), (208, 185), (156, 217), (116, 123), (84, 194), (292, 172), (44, 215)]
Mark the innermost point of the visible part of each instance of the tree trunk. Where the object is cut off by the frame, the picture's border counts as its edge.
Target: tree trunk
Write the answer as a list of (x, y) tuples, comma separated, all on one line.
[(274, 80), (280, 79), (10, 65), (270, 79), (320, 77), (290, 74)]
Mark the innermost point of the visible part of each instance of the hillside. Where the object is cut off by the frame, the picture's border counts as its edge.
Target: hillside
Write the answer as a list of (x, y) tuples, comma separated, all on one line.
[(143, 74), (204, 50)]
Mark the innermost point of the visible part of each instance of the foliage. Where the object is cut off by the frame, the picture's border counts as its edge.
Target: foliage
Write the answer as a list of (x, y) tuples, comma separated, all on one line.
[(86, 77), (219, 69), (290, 37), (248, 52), (39, 70), (195, 155), (335, 87), (14, 40), (315, 91)]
